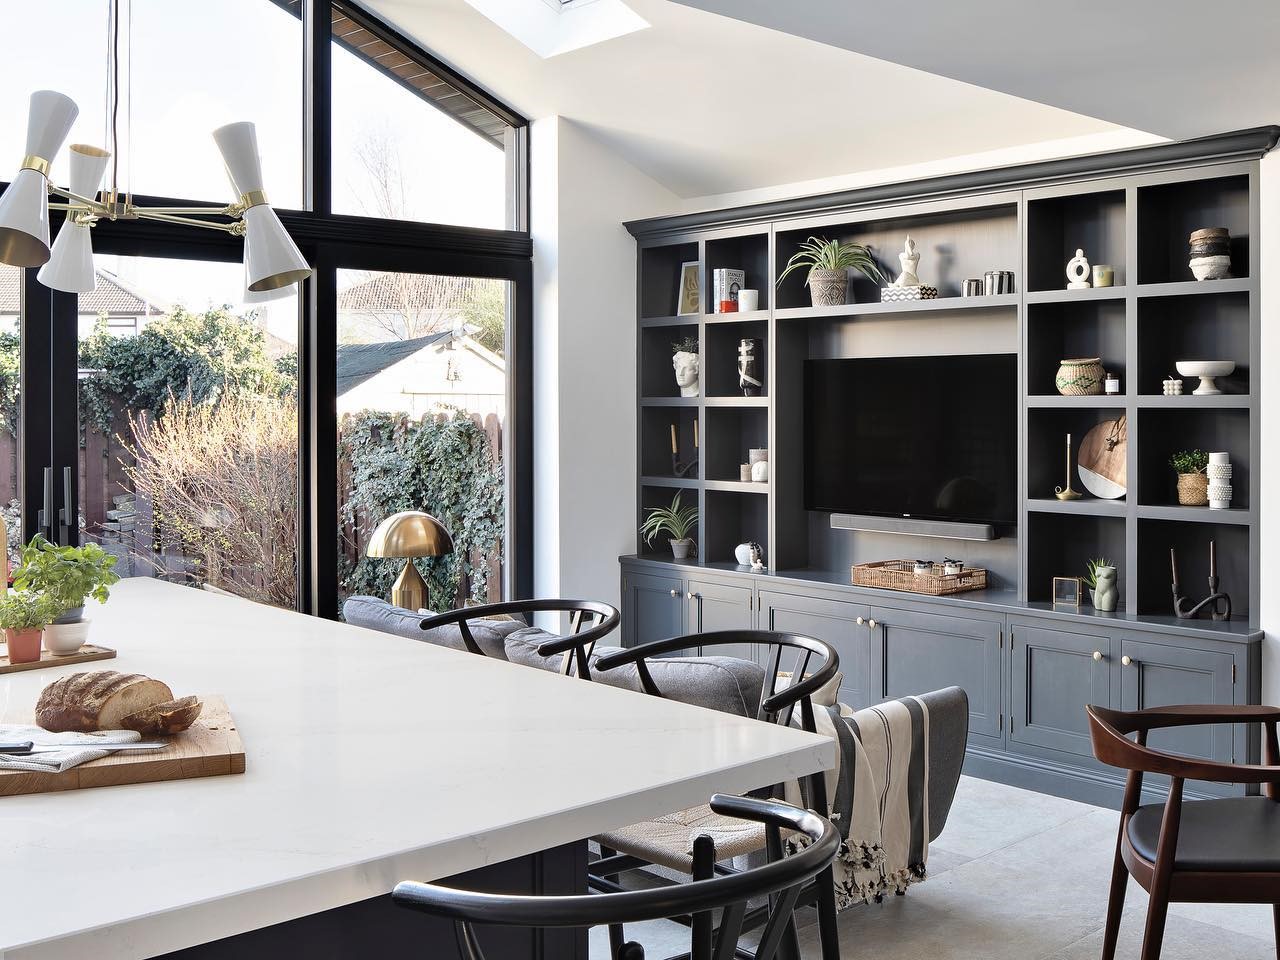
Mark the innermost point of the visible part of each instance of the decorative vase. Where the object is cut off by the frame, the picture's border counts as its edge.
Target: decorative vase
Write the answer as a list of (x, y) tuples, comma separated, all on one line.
[(1105, 595), (680, 548), (23, 645), (747, 553), (827, 287), (1081, 377), (64, 639), (1219, 474), (1193, 489), (749, 379)]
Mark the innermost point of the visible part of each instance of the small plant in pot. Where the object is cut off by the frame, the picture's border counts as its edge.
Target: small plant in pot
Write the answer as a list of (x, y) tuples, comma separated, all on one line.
[(676, 521), (1100, 578), (69, 576), (1193, 482), (829, 262), (24, 614)]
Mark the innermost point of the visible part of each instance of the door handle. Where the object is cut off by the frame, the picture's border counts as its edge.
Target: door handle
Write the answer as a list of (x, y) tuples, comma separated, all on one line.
[(1127, 660), (1097, 655), (872, 624), (675, 593), (44, 517), (66, 516)]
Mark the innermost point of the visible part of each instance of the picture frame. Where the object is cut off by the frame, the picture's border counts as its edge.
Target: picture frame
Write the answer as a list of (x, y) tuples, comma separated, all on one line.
[(1067, 591), (688, 291)]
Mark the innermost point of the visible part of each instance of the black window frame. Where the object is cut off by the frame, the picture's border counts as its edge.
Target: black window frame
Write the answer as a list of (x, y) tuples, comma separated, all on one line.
[(330, 242)]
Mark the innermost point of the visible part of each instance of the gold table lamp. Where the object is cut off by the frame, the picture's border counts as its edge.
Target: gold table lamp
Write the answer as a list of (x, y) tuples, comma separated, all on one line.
[(410, 534)]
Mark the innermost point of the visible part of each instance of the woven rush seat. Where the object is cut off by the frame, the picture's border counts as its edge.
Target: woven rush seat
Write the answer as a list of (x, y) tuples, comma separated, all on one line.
[(666, 840)]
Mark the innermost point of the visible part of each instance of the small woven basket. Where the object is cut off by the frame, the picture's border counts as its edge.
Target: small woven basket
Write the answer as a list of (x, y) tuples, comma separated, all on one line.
[(1193, 489)]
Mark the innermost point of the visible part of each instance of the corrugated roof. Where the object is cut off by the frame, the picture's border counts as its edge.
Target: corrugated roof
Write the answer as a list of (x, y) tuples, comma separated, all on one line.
[(393, 292), (358, 362), (111, 296)]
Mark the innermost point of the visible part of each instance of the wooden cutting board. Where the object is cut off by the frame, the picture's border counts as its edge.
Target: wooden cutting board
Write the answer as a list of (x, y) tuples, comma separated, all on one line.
[(210, 748), (1103, 459), (86, 654)]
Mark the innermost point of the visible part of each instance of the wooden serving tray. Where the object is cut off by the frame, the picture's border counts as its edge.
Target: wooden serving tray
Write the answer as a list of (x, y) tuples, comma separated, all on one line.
[(88, 652), (210, 748)]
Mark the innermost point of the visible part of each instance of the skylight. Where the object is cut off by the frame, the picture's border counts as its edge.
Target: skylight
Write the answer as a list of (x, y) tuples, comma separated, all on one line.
[(553, 27)]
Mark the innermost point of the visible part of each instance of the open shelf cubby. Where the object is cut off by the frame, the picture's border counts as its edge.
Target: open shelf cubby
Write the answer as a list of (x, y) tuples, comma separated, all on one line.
[(661, 495), (1047, 430), (720, 360), (1168, 213), (657, 375), (660, 278), (656, 425), (1213, 327), (732, 518), (748, 253), (731, 433), (1068, 330), (1059, 226), (1064, 545), (1163, 432), (954, 246), (1191, 542)]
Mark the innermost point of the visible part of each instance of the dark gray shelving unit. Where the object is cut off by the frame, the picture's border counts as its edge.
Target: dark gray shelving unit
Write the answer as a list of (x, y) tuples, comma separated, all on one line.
[(1132, 210)]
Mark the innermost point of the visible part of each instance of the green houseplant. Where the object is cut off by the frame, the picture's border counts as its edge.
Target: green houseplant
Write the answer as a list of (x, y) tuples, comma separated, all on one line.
[(828, 262), (1193, 482), (68, 576), (24, 615), (677, 521), (1091, 572)]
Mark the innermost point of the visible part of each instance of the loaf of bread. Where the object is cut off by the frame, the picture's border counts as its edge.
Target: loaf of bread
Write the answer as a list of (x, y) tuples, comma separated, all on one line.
[(108, 700)]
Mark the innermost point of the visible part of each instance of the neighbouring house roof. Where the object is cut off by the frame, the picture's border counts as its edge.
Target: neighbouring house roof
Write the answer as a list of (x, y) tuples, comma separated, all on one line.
[(277, 347), (390, 292), (358, 362), (113, 296)]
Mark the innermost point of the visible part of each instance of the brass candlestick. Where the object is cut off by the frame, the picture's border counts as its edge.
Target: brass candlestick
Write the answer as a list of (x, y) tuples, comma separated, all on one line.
[(1066, 493)]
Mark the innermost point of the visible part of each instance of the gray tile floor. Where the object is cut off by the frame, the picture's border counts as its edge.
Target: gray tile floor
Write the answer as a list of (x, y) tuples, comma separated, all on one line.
[(1016, 875)]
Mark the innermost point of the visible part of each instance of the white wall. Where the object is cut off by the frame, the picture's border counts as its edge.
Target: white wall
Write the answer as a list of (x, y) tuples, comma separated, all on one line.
[(584, 357), (1269, 611)]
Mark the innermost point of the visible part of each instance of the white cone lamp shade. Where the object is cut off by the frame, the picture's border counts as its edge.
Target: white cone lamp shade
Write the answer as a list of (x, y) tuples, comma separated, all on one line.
[(271, 258), (70, 266), (24, 208)]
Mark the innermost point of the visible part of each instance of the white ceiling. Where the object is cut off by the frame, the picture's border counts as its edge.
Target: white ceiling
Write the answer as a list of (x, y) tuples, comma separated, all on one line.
[(709, 105), (1175, 68)]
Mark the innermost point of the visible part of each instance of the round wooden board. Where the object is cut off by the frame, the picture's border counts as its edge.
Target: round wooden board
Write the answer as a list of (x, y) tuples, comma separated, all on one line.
[(1102, 467)]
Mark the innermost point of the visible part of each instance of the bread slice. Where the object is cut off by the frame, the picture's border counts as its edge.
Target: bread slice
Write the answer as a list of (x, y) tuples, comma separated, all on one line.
[(97, 700), (164, 718)]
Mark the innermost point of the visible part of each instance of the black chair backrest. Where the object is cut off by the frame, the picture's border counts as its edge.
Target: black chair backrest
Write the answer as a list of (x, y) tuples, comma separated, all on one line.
[(589, 620), (783, 878)]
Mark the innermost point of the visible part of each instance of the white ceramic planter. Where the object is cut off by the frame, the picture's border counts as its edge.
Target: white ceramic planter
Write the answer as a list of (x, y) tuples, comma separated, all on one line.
[(64, 639)]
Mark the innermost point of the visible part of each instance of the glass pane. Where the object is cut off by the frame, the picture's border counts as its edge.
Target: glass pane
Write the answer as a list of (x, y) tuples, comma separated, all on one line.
[(421, 403), (10, 409), (398, 153), (189, 423)]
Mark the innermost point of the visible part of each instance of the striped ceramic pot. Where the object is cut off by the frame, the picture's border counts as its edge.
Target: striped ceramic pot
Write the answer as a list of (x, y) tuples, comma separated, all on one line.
[(1081, 377)]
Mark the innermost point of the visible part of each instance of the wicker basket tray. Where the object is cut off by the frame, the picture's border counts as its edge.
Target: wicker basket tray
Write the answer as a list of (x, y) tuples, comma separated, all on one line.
[(901, 575)]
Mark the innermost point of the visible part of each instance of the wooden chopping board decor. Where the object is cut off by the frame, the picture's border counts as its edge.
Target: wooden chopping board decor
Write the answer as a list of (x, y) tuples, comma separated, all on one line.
[(211, 747), (85, 654), (1102, 460)]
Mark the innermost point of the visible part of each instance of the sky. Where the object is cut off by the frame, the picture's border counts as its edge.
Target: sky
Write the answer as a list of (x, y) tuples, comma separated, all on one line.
[(197, 65)]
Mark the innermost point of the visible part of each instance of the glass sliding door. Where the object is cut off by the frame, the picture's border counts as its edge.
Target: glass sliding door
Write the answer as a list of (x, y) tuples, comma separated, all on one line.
[(422, 400)]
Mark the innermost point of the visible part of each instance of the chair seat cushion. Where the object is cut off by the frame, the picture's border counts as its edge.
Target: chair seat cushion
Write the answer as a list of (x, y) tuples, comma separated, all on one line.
[(522, 648), (376, 614), (727, 684), (668, 840), (1236, 834)]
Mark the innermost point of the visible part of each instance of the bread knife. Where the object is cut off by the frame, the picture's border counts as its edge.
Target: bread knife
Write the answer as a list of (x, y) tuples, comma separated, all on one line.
[(27, 747)]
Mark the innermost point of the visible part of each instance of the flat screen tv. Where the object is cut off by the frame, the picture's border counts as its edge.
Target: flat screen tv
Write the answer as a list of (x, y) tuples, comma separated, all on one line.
[(928, 437)]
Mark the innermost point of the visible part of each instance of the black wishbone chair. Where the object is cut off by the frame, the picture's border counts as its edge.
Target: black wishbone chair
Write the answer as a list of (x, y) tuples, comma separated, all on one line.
[(781, 879), (813, 664), (589, 620)]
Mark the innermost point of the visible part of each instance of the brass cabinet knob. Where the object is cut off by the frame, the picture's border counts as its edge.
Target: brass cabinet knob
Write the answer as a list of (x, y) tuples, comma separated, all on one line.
[(1097, 654), (871, 624), (1126, 660), (675, 593), (860, 621)]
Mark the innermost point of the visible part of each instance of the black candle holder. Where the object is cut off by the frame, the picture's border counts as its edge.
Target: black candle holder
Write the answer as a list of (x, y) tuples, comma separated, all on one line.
[(1217, 603)]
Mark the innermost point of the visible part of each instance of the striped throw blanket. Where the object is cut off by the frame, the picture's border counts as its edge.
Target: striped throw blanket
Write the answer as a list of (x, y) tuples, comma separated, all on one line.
[(878, 794)]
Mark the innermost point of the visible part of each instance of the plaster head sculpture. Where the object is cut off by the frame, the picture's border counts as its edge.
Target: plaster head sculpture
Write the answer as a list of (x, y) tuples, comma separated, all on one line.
[(909, 258), (686, 367)]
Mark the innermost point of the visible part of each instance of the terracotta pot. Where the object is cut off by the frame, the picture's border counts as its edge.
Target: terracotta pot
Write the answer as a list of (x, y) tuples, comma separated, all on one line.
[(827, 287), (1193, 489), (680, 548), (1081, 377), (24, 645)]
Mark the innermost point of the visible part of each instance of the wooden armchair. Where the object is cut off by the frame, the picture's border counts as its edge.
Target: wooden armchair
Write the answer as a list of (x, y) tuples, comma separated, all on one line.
[(1203, 851)]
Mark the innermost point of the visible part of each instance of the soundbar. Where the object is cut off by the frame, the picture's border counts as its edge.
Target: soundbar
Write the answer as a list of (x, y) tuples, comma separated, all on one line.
[(950, 530)]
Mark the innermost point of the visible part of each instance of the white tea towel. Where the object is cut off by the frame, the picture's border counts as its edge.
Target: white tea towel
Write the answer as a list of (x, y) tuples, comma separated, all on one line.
[(80, 747)]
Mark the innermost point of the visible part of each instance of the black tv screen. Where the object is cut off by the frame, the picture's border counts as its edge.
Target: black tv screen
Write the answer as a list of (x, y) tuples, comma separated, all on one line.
[(927, 437)]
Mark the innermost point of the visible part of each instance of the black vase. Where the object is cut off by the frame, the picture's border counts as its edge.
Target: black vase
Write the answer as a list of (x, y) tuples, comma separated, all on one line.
[(749, 378)]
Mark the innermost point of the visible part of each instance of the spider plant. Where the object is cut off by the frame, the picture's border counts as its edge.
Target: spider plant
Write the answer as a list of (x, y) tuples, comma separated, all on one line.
[(822, 254), (676, 520)]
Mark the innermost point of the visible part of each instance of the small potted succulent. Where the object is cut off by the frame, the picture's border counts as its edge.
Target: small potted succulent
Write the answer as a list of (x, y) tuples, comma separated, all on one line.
[(1091, 574), (677, 521), (829, 262), (68, 576), (1193, 482), (24, 614)]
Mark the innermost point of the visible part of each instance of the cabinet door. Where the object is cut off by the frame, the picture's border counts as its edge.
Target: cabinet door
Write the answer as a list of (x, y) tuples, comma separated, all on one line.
[(1055, 673), (834, 621), (1158, 675), (715, 606), (913, 653), (654, 608)]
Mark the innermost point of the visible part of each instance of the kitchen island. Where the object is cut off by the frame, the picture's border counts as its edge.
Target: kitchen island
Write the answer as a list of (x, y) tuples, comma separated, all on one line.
[(370, 759)]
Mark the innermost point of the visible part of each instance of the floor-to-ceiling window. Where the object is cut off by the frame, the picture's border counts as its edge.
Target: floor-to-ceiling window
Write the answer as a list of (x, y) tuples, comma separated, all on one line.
[(213, 438)]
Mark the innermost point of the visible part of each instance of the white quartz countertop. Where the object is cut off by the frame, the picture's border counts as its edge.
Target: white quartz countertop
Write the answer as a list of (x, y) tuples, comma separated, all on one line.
[(370, 759)]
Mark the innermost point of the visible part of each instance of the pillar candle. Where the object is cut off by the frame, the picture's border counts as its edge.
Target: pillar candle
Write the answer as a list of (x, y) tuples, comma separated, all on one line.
[(674, 446)]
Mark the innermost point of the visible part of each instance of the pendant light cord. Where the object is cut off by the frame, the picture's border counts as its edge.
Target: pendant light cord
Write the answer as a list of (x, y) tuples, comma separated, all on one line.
[(115, 96)]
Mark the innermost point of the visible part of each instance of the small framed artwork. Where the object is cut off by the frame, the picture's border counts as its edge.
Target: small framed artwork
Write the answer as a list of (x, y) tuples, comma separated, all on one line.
[(1066, 591), (687, 299)]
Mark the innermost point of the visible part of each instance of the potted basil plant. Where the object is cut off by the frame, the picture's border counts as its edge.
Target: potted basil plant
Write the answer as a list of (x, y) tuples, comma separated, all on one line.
[(24, 614), (68, 576), (829, 262)]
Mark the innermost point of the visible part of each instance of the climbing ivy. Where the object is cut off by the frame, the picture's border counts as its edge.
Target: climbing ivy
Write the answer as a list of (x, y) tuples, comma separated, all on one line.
[(10, 378)]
